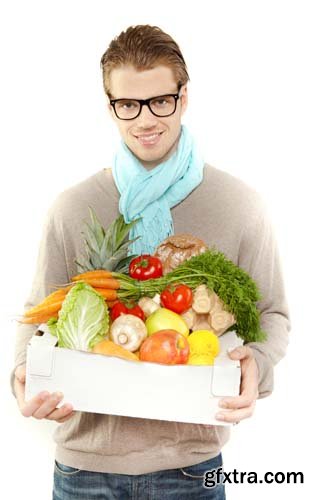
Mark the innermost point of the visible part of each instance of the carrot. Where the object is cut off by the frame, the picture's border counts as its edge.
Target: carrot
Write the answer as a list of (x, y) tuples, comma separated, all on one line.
[(64, 290), (108, 283), (53, 297), (38, 319), (98, 273), (107, 293), (51, 308)]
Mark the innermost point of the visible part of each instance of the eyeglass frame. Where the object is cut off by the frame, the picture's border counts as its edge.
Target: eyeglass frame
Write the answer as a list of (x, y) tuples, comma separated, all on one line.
[(143, 102)]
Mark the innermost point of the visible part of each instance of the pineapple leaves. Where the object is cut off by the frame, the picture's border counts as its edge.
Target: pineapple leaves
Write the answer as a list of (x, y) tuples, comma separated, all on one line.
[(122, 251), (106, 249), (81, 267), (123, 265), (121, 231), (97, 228), (90, 238)]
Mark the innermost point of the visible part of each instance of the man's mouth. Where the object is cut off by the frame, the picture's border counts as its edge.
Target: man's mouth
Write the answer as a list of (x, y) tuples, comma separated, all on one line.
[(149, 139)]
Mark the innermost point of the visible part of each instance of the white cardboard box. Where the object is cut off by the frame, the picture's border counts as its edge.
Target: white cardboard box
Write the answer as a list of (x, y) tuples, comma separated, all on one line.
[(106, 384)]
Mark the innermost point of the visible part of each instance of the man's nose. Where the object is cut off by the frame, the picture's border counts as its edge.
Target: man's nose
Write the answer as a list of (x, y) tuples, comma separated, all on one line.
[(146, 119)]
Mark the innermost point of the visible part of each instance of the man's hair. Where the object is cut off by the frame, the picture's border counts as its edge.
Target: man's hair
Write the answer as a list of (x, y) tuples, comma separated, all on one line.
[(144, 47)]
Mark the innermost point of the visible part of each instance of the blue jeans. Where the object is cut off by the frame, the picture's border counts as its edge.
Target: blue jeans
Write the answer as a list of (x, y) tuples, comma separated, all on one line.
[(170, 484)]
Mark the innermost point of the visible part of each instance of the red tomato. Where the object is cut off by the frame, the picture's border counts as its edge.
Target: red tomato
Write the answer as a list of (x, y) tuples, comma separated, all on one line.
[(136, 311), (131, 308), (118, 309), (145, 267), (177, 298)]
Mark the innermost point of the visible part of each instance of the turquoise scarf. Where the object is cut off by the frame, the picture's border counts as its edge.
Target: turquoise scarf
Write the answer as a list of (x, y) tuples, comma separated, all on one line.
[(151, 194)]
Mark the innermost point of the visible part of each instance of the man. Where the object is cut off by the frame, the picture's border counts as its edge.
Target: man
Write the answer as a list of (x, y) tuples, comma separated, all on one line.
[(158, 173)]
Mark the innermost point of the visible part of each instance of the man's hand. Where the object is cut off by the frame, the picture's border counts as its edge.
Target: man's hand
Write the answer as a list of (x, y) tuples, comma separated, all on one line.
[(242, 406), (41, 406)]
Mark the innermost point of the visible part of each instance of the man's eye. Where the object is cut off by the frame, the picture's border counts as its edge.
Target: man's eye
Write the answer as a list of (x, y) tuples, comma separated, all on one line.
[(129, 105), (161, 102)]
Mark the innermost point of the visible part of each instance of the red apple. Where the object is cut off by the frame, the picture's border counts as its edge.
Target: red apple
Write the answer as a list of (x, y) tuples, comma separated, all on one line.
[(167, 347)]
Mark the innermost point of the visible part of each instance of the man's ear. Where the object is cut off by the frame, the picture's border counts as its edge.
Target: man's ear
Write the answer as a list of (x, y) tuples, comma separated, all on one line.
[(184, 97)]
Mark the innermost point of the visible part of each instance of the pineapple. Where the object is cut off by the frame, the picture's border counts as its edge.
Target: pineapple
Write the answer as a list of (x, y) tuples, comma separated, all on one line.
[(106, 249)]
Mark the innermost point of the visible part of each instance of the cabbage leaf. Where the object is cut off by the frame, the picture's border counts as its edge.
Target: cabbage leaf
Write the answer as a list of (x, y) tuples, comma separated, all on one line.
[(83, 319)]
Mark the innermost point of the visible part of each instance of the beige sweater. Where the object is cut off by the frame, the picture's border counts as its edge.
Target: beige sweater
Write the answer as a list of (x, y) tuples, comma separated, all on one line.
[(222, 211)]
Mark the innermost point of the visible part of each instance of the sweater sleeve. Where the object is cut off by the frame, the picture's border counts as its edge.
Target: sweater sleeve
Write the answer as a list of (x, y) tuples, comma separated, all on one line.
[(259, 256), (50, 271)]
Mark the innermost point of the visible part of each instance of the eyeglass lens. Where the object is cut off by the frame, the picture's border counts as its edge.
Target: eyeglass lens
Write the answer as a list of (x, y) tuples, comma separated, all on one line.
[(161, 106)]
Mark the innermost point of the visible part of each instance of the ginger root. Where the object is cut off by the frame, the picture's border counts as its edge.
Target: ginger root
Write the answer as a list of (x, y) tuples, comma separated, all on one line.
[(189, 317), (219, 318), (208, 312), (203, 300)]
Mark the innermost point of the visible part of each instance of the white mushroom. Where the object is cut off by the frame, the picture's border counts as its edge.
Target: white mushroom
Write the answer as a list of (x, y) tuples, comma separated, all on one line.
[(148, 305), (128, 331)]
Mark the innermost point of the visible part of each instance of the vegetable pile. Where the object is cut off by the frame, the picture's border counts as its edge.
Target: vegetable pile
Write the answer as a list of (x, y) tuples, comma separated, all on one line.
[(142, 313)]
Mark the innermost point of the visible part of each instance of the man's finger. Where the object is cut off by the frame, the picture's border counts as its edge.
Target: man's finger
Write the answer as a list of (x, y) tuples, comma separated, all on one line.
[(62, 414), (236, 415), (48, 406), (249, 387), (62, 420), (242, 401), (30, 407), (241, 352)]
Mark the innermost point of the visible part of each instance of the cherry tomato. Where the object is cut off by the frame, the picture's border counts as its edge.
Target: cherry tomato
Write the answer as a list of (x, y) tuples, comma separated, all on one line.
[(128, 308), (177, 298), (145, 267), (136, 311), (118, 309)]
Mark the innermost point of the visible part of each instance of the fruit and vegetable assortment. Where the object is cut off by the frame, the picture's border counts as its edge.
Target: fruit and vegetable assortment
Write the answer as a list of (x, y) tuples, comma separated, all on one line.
[(132, 307)]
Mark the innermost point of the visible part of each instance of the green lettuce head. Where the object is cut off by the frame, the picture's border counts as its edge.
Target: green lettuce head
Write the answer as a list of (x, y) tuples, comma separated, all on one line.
[(83, 319)]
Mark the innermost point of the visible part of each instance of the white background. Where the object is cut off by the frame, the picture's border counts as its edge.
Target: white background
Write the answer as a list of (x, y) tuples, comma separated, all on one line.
[(255, 109)]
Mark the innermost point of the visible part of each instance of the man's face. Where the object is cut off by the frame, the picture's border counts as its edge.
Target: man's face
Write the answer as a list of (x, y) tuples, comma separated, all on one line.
[(126, 82)]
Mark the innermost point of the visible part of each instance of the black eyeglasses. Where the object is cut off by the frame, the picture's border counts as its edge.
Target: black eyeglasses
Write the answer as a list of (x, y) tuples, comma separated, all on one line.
[(161, 106)]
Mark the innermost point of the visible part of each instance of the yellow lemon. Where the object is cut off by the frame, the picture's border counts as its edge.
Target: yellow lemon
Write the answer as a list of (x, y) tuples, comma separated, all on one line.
[(200, 359), (203, 342)]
